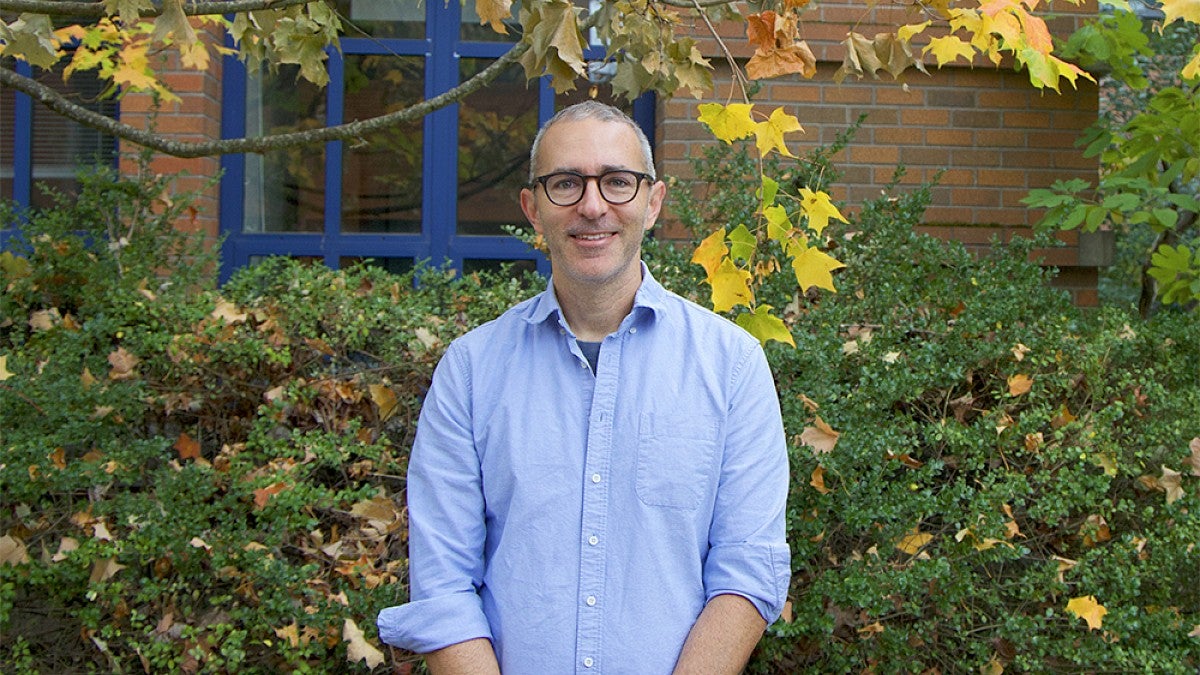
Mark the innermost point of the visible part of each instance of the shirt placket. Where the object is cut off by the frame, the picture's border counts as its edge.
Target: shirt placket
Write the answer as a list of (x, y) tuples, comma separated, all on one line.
[(593, 534)]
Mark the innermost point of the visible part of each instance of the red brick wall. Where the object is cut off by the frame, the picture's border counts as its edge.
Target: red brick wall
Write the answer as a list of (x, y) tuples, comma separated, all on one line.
[(990, 134), (196, 117)]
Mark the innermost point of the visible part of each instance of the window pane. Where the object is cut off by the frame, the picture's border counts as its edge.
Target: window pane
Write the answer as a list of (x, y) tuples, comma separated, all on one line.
[(285, 189), (59, 146), (393, 265), (381, 177), (8, 100), (496, 126), (382, 18)]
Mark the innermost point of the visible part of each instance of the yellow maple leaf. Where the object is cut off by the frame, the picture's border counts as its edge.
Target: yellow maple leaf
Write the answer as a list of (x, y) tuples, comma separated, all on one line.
[(728, 122), (711, 251), (730, 287), (1192, 69), (493, 13), (819, 209), (4, 372), (1088, 609), (813, 267), (948, 49), (765, 326), (906, 33), (769, 135), (1187, 10), (913, 541)]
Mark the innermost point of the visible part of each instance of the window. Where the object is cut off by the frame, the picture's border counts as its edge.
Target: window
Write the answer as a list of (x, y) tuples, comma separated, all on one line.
[(440, 189), (41, 151)]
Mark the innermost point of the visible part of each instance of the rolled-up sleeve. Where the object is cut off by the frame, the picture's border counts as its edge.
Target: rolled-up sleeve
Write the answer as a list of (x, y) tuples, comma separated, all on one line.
[(748, 554), (446, 523)]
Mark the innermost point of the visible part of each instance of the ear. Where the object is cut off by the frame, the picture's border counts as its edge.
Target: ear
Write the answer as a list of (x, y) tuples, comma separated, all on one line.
[(658, 193), (529, 206)]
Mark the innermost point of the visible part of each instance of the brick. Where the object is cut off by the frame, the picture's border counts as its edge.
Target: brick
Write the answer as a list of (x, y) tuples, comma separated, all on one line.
[(781, 93), (848, 94), (951, 98), (1002, 138), (1014, 119), (925, 117), (986, 119), (874, 154), (959, 137), (897, 136), (1002, 177), (1004, 98), (975, 197), (1052, 139)]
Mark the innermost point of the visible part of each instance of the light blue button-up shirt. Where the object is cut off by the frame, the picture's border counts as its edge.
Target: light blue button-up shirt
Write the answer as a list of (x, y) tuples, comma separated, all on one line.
[(581, 521)]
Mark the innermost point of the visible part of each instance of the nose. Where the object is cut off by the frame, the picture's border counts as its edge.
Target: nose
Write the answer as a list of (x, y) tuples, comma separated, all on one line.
[(592, 204)]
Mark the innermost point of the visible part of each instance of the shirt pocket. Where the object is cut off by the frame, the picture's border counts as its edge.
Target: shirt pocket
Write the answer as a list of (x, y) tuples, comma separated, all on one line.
[(675, 459)]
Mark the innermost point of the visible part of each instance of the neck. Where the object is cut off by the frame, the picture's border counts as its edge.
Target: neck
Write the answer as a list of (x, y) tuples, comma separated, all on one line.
[(596, 312)]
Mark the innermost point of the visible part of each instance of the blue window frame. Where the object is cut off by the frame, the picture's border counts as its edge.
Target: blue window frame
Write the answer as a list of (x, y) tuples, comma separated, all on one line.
[(434, 192), (39, 148)]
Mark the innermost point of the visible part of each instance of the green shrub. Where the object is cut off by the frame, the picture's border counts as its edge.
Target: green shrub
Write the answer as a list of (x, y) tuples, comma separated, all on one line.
[(197, 480), (212, 480), (999, 453)]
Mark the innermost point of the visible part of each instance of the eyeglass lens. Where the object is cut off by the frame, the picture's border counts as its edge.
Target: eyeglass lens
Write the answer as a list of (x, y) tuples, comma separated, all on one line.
[(616, 187)]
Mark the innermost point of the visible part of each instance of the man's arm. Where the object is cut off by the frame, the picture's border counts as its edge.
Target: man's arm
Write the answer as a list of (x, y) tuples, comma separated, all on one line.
[(473, 657), (722, 638)]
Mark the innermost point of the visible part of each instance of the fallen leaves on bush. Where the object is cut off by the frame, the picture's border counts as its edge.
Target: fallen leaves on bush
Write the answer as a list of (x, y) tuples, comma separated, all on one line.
[(357, 647), (1088, 609), (12, 551), (821, 437), (123, 365), (912, 542), (1019, 385)]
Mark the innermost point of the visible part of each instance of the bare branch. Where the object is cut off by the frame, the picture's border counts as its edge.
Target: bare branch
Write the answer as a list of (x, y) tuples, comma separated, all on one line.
[(97, 9), (351, 130)]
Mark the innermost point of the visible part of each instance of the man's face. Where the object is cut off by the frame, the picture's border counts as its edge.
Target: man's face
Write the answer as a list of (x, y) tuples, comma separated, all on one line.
[(592, 243)]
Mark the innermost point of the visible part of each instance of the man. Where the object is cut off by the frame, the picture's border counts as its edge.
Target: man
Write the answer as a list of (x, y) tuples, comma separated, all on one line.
[(599, 476)]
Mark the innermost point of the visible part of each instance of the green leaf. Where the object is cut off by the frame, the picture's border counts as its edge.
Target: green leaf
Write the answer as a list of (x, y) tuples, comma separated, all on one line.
[(30, 37), (742, 243), (768, 191), (763, 325), (1166, 217)]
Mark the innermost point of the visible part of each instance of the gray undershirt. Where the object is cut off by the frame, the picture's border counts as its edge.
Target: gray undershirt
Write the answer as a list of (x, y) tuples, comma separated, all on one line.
[(591, 351)]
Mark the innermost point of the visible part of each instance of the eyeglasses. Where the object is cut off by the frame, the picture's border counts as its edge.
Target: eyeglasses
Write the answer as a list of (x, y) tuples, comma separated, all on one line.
[(566, 188)]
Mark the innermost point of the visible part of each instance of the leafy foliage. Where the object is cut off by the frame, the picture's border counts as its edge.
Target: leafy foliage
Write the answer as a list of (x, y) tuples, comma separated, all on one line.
[(973, 458), (1149, 187), (201, 480)]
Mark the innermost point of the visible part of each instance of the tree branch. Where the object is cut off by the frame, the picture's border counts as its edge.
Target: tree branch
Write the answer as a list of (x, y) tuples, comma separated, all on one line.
[(357, 129), (97, 9)]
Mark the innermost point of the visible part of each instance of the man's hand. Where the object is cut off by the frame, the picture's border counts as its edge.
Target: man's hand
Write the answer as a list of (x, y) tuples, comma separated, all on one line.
[(473, 657), (722, 638)]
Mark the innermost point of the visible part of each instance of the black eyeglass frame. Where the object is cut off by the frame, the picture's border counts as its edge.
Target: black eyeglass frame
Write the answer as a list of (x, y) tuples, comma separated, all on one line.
[(599, 185)]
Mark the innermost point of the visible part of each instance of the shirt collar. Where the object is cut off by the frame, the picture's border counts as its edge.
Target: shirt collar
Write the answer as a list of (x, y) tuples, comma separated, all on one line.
[(650, 299)]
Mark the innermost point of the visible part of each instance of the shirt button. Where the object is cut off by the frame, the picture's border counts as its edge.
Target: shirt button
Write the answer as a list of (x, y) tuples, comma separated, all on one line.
[(587, 662), (632, 330), (593, 540), (591, 601), (595, 478)]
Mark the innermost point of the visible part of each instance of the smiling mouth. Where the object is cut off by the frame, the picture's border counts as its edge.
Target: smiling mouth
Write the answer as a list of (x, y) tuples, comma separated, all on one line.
[(600, 236)]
